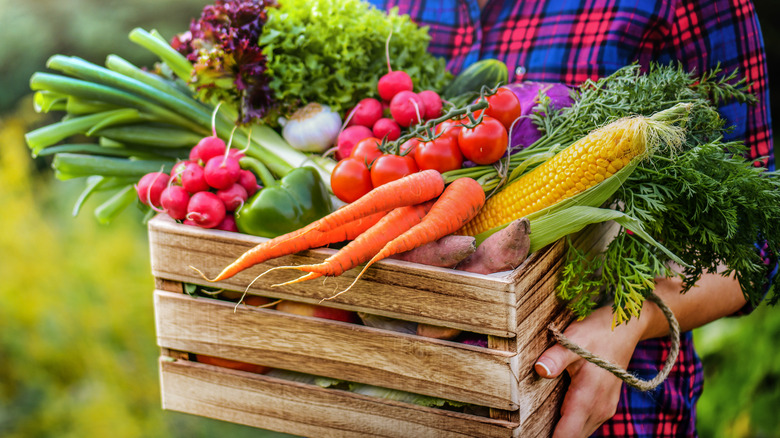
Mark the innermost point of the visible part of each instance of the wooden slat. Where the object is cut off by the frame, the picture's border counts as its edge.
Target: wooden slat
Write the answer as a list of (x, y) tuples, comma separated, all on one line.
[(393, 288), (339, 350), (301, 409)]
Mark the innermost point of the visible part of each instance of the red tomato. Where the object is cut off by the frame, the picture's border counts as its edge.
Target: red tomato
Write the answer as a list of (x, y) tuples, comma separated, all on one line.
[(442, 154), (504, 106), (350, 179), (367, 150), (410, 146), (449, 128), (392, 167), (484, 143)]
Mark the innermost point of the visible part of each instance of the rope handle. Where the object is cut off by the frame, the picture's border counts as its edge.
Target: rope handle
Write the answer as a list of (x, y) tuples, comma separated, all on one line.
[(622, 374)]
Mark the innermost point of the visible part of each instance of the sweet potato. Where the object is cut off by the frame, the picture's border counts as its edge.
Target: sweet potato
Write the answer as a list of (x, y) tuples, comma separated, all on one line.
[(445, 252), (438, 332), (502, 251)]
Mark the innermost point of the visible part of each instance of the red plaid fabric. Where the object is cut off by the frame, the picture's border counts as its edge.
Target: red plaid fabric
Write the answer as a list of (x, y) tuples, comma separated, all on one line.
[(569, 41)]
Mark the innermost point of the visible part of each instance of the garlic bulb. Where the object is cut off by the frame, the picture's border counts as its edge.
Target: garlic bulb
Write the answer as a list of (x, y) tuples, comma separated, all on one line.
[(313, 128)]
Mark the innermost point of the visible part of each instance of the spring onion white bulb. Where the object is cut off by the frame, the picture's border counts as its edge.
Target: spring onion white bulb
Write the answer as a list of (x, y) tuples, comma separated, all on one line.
[(313, 128)]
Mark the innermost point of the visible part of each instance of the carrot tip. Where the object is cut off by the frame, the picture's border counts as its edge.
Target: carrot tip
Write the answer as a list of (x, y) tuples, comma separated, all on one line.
[(204, 275)]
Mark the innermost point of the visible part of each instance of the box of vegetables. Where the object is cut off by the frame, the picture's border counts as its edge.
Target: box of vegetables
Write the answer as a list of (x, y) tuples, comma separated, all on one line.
[(348, 240)]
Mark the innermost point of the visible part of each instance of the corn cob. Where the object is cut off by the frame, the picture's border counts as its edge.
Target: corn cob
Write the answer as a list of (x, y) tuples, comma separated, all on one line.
[(575, 169)]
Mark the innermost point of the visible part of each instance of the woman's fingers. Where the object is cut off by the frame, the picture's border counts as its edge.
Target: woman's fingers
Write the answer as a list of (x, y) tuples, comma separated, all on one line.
[(554, 361), (591, 400)]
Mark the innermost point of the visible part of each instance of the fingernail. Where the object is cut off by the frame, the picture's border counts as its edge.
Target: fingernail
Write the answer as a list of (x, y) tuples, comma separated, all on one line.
[(541, 369)]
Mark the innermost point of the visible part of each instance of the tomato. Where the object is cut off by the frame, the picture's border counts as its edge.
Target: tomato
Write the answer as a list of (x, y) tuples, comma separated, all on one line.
[(392, 167), (367, 150), (449, 128), (484, 143), (441, 153), (350, 179), (410, 146), (504, 106)]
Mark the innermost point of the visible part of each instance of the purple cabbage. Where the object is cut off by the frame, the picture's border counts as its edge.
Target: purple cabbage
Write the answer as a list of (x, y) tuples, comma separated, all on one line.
[(525, 132)]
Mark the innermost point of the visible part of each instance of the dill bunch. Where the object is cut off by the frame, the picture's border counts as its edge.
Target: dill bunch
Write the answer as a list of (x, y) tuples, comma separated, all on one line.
[(705, 201)]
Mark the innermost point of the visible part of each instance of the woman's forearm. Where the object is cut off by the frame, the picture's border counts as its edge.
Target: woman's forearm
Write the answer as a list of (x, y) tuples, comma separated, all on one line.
[(713, 297)]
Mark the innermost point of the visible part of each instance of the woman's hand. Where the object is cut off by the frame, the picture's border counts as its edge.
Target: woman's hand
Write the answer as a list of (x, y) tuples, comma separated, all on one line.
[(593, 393)]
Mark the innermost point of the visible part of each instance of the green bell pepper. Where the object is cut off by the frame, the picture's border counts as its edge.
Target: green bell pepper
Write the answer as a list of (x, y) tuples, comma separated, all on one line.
[(296, 200)]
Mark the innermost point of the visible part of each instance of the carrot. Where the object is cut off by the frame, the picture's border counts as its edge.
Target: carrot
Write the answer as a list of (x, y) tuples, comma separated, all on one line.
[(365, 246), (410, 190), (296, 241), (460, 202)]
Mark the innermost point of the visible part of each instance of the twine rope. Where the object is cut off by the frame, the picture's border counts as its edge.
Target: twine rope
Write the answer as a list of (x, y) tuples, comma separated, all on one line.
[(622, 374)]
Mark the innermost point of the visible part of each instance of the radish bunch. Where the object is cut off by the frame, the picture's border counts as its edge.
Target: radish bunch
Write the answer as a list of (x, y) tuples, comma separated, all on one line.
[(204, 190), (399, 108)]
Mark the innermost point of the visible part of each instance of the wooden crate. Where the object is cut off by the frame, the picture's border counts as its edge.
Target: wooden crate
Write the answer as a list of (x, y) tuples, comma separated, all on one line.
[(512, 309)]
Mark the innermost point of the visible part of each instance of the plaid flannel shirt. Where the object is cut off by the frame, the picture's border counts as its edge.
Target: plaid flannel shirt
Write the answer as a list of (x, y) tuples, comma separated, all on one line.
[(569, 41)]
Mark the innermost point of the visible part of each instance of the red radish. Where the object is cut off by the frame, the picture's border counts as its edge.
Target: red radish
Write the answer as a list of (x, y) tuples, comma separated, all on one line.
[(386, 127), (407, 108), (176, 172), (432, 104), (233, 196), (349, 137), (228, 224), (205, 209), (150, 187), (221, 172), (366, 113), (393, 82), (210, 147), (193, 179), (190, 222), (235, 153), (174, 200), (194, 154), (248, 180)]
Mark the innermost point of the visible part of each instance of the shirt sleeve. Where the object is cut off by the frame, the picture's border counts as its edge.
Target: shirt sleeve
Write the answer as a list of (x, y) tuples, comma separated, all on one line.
[(705, 34)]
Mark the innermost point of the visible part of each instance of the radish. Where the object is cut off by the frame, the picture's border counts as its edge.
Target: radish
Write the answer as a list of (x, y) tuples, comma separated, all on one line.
[(228, 224), (248, 180), (366, 113), (210, 147), (393, 82), (432, 102), (193, 179), (205, 209), (233, 196), (387, 127), (349, 137), (407, 108), (174, 200), (194, 154), (150, 187), (236, 153), (221, 172), (176, 172)]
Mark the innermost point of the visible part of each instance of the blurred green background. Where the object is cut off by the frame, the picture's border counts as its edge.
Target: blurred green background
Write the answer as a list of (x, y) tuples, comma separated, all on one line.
[(77, 343)]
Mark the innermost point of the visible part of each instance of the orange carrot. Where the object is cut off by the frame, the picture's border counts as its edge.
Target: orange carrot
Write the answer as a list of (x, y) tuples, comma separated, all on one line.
[(410, 190), (296, 241), (460, 202), (365, 246)]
